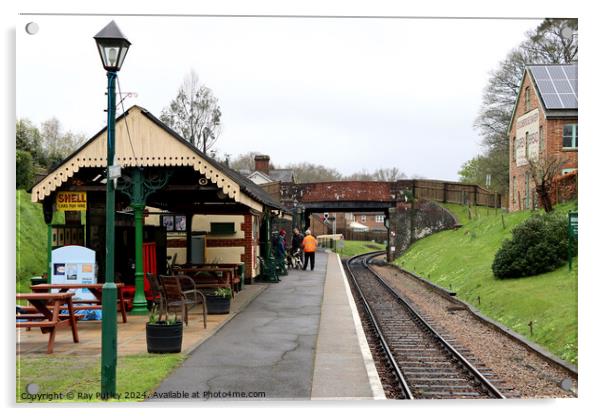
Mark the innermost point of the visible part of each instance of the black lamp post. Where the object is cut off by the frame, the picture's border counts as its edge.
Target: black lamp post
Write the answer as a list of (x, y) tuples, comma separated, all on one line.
[(112, 47)]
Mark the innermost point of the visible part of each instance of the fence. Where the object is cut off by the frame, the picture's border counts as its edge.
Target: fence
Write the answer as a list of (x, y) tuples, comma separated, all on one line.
[(454, 192), (378, 236)]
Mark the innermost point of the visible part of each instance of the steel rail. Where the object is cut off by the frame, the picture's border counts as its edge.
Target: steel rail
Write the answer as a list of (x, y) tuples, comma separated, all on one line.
[(398, 373), (472, 369)]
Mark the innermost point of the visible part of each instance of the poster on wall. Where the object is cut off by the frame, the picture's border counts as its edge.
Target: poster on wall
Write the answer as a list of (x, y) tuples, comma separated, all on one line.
[(527, 137)]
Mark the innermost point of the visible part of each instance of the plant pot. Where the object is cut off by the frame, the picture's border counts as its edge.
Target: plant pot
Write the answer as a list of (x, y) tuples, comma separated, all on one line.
[(217, 305), (162, 338)]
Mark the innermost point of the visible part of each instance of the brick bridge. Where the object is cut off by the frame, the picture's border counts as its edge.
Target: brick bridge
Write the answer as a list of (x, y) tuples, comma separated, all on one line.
[(408, 204)]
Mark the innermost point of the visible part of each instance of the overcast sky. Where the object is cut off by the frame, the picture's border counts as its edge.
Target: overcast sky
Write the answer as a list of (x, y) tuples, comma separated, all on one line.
[(348, 94)]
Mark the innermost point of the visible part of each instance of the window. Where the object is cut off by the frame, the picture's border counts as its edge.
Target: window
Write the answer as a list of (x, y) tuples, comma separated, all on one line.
[(380, 218), (514, 149), (526, 145), (568, 170), (363, 218), (542, 143), (569, 136), (514, 189), (527, 192), (527, 99)]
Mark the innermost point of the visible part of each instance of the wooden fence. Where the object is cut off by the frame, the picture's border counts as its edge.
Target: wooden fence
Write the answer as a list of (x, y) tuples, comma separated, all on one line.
[(454, 192)]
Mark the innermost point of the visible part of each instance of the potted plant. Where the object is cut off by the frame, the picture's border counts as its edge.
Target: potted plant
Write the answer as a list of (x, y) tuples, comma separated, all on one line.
[(163, 336), (218, 301)]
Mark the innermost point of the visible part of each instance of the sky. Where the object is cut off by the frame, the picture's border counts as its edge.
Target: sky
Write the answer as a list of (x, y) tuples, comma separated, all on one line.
[(350, 94)]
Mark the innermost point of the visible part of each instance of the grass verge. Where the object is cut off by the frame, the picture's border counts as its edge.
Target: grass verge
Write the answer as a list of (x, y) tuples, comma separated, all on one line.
[(543, 308), (78, 378), (353, 248)]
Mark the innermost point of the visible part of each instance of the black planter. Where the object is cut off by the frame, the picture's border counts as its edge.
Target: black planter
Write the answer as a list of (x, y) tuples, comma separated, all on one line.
[(217, 305), (161, 338)]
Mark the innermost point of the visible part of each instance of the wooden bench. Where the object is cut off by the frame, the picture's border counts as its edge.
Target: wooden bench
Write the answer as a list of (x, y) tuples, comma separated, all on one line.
[(94, 288), (47, 315), (206, 275)]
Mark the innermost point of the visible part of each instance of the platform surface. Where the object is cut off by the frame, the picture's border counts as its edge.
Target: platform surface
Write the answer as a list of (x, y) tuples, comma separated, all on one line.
[(286, 345)]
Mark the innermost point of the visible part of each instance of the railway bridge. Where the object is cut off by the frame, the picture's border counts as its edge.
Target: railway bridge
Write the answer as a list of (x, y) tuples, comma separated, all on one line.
[(408, 205)]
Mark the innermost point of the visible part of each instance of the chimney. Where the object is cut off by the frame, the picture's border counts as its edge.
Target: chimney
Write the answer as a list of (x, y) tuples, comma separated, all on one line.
[(262, 163)]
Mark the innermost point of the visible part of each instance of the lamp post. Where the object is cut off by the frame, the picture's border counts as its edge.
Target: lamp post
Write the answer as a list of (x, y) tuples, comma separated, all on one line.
[(112, 47)]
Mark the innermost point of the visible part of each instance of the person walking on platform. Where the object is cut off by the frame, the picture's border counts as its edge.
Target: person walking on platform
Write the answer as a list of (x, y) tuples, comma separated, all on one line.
[(297, 242), (310, 244)]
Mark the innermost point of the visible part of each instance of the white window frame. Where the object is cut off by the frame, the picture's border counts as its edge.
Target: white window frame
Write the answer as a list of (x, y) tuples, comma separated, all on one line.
[(574, 138)]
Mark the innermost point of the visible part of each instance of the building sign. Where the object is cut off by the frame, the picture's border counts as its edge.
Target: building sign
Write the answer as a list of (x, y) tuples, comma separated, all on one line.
[(527, 137), (71, 201)]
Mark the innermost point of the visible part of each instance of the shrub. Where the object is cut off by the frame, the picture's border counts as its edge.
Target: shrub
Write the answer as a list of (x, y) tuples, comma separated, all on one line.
[(538, 245)]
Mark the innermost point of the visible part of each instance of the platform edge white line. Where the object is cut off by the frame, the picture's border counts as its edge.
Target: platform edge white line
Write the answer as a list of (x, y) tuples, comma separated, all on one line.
[(377, 388)]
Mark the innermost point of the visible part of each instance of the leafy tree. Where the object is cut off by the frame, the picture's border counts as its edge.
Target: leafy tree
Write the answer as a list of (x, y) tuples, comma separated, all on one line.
[(24, 169), (494, 163), (194, 113), (28, 139), (551, 42)]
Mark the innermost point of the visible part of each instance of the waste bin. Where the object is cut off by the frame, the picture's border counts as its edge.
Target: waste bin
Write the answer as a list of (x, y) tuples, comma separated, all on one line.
[(38, 280)]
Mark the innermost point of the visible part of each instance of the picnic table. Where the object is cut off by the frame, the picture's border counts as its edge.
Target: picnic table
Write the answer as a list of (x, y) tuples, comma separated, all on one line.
[(85, 304), (208, 275), (48, 319)]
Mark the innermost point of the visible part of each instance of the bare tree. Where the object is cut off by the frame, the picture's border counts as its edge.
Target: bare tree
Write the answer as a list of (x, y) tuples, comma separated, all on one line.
[(245, 161), (195, 113), (58, 145), (543, 171)]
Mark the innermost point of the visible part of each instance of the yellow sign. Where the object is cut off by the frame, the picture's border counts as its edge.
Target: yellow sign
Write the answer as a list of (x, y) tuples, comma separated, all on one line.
[(71, 201)]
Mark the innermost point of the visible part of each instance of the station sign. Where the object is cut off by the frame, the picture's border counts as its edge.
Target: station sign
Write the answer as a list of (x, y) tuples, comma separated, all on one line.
[(71, 201), (573, 224)]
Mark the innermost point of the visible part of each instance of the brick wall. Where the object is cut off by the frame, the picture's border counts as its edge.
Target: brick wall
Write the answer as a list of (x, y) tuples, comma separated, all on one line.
[(551, 134)]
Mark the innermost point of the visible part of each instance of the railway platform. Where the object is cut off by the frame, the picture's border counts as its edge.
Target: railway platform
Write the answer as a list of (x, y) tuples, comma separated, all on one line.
[(300, 339)]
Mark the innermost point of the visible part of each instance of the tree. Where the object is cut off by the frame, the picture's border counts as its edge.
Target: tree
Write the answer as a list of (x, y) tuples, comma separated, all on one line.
[(24, 169), (309, 172), (543, 171), (194, 113), (547, 44), (494, 163), (56, 144), (382, 174), (244, 161), (28, 139)]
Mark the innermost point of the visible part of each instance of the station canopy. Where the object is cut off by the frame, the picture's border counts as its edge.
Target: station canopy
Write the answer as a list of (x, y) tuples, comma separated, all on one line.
[(196, 182)]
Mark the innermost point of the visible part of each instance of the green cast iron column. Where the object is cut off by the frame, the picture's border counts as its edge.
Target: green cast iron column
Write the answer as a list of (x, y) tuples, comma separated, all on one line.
[(137, 203), (109, 290), (269, 272)]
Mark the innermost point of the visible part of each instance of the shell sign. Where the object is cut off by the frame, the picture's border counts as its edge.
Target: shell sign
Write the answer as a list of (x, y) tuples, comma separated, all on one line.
[(71, 201)]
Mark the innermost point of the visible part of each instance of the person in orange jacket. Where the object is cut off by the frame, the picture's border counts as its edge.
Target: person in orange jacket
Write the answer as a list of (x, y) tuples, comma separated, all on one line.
[(309, 244)]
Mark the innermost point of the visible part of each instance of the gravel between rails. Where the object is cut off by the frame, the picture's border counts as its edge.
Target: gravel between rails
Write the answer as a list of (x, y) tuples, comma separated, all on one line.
[(521, 369)]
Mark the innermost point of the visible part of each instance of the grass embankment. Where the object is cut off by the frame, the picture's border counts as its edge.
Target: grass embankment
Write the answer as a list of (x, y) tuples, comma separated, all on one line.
[(78, 378), (353, 248), (461, 260), (31, 239)]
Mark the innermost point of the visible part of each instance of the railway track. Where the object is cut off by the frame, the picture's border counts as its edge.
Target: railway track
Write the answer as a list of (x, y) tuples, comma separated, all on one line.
[(424, 365)]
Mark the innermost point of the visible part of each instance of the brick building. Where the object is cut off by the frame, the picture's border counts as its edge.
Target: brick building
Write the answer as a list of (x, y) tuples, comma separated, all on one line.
[(543, 127)]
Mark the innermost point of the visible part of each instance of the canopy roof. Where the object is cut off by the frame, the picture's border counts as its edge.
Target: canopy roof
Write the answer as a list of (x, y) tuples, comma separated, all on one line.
[(145, 141)]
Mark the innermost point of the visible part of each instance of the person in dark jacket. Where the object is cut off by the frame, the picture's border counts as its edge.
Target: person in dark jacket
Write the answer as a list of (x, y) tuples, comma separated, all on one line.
[(296, 242)]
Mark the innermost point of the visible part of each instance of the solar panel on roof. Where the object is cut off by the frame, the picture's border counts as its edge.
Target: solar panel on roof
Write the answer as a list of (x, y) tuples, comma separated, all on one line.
[(557, 85)]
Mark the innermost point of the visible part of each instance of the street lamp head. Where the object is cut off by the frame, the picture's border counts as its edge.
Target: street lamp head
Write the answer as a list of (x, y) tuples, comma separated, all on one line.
[(112, 46)]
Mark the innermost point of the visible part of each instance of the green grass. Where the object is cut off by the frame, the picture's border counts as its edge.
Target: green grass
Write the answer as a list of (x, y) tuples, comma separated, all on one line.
[(353, 248), (31, 238), (75, 376), (461, 260)]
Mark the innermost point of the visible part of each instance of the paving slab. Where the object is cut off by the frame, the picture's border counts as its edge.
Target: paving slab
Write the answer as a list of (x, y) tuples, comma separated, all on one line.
[(266, 352)]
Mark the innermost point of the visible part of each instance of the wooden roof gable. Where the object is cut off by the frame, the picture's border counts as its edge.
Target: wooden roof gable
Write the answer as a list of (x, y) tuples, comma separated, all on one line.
[(149, 143)]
